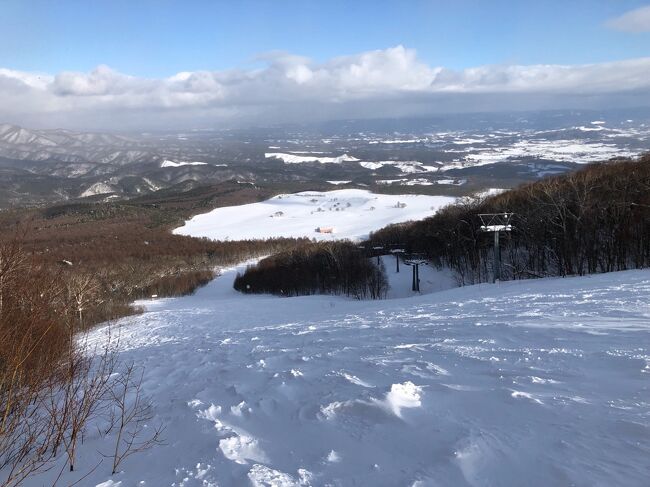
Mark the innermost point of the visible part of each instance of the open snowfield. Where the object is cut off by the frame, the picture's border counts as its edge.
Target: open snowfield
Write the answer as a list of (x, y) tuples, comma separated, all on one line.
[(537, 383), (352, 213)]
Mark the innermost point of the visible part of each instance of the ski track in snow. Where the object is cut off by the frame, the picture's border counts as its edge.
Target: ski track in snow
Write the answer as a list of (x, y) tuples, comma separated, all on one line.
[(540, 382)]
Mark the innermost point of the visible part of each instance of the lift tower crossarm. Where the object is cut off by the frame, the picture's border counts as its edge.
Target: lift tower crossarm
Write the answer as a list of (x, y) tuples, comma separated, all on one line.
[(496, 223)]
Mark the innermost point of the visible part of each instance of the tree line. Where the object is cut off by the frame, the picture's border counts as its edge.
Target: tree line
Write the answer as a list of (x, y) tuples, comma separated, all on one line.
[(316, 268), (594, 220)]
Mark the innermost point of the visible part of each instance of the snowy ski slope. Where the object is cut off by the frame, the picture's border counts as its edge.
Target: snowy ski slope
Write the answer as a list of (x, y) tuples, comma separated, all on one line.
[(533, 383)]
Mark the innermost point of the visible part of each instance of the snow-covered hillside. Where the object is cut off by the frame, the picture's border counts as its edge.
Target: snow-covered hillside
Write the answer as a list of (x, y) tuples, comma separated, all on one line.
[(535, 383), (351, 213), (300, 158), (169, 163)]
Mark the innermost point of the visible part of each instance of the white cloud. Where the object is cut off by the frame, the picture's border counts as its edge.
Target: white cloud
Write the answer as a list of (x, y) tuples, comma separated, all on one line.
[(637, 20), (389, 82)]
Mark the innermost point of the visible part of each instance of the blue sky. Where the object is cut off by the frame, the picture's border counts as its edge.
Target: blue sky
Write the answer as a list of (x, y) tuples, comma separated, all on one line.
[(180, 64), (158, 38)]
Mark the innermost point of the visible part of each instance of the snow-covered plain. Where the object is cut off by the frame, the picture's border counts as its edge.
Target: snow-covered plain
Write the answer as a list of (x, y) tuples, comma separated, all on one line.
[(536, 383), (352, 213)]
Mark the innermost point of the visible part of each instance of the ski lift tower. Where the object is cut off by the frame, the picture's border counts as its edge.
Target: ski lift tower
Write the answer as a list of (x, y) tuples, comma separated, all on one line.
[(379, 252), (416, 260), (397, 252), (496, 223)]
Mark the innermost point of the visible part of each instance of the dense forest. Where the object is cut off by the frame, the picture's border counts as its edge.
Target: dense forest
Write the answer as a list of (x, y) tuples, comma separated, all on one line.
[(316, 268), (593, 220)]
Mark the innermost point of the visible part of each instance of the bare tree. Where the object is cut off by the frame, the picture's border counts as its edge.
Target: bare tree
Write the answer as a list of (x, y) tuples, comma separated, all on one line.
[(130, 416), (85, 391), (83, 291)]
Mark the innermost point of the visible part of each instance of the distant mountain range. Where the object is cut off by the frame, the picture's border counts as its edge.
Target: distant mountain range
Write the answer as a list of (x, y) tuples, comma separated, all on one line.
[(42, 166), (66, 146), (457, 155)]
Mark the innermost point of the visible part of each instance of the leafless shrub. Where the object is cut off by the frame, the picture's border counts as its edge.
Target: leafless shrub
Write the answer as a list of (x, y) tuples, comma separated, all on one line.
[(131, 412), (83, 393)]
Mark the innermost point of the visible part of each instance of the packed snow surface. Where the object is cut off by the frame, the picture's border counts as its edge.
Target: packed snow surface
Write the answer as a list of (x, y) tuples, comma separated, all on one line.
[(537, 383), (352, 213)]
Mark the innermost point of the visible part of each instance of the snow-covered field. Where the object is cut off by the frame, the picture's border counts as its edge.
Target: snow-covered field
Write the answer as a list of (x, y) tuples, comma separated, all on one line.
[(538, 383), (351, 213)]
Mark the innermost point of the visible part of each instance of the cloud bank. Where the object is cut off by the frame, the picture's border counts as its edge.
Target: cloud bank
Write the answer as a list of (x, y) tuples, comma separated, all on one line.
[(381, 83)]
